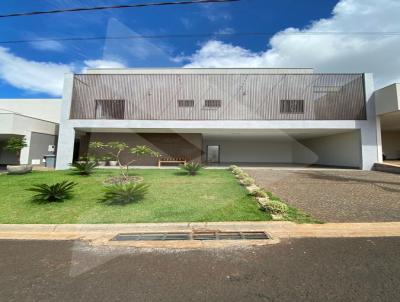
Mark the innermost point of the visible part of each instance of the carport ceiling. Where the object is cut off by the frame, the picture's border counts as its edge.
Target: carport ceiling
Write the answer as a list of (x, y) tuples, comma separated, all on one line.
[(391, 121), (232, 133), (277, 134)]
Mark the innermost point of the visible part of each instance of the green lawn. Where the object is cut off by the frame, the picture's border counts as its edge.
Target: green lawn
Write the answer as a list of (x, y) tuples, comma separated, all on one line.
[(213, 195)]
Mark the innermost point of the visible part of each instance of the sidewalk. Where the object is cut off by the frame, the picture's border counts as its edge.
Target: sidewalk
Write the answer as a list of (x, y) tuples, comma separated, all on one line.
[(100, 234)]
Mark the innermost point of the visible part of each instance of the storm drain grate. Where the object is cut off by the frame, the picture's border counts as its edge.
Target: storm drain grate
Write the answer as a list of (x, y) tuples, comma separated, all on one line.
[(191, 236)]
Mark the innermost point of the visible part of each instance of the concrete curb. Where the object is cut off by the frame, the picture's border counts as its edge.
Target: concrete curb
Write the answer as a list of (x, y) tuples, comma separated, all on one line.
[(102, 233)]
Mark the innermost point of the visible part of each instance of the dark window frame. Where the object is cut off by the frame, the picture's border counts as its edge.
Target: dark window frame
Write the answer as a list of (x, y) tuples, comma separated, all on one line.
[(289, 106), (212, 103), (116, 111), (185, 103)]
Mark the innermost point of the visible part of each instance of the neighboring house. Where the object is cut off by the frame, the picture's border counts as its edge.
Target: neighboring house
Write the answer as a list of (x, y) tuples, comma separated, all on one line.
[(35, 119), (252, 116), (388, 110)]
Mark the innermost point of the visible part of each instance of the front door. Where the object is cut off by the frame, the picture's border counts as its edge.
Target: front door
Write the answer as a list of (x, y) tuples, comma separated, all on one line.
[(213, 154)]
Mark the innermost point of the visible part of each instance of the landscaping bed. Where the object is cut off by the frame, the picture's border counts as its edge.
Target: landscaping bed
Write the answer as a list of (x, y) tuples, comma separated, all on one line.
[(173, 196)]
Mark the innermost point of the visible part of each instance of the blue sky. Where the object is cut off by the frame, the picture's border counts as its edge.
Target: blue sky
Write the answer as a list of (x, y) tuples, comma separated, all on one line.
[(26, 68)]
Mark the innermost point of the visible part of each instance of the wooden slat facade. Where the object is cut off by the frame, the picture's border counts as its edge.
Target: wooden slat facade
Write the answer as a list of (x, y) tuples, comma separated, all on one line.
[(242, 96)]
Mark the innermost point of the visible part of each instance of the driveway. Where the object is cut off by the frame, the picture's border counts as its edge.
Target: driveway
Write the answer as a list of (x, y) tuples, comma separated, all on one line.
[(336, 195), (343, 269)]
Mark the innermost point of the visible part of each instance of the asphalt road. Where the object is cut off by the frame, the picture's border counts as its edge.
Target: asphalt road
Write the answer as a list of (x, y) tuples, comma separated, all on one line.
[(363, 269)]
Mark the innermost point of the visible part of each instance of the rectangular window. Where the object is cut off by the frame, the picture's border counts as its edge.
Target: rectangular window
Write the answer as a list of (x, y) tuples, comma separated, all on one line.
[(292, 106), (327, 89), (212, 103), (185, 103), (110, 109)]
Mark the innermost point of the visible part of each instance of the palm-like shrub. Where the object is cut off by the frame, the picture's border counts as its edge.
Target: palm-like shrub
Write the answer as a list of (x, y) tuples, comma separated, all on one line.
[(191, 168), (84, 167), (276, 207), (124, 193), (52, 193)]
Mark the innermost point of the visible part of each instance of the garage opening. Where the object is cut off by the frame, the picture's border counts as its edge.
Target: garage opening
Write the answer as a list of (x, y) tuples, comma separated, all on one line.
[(322, 147)]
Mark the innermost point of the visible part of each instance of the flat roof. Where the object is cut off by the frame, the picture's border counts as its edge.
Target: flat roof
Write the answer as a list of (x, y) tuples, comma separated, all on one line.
[(180, 70)]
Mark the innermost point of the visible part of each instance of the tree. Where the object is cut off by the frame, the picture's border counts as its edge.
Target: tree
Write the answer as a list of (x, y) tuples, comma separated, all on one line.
[(16, 144), (116, 149)]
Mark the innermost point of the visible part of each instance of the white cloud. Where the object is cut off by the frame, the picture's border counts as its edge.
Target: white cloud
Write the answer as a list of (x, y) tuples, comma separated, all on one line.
[(45, 77), (225, 31), (295, 47), (48, 45), (42, 77), (103, 64)]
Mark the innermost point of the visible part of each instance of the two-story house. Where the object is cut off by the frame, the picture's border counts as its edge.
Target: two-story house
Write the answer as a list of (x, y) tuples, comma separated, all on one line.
[(223, 116)]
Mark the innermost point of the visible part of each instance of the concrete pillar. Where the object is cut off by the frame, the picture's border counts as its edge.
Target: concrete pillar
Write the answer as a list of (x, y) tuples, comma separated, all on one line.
[(370, 139), (24, 156), (66, 137), (65, 147)]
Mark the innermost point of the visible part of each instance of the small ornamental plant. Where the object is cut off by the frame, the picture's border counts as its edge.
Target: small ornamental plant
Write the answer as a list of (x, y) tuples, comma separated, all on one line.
[(124, 193), (52, 193), (259, 193), (16, 144), (248, 181), (191, 168), (276, 207), (115, 150), (84, 167)]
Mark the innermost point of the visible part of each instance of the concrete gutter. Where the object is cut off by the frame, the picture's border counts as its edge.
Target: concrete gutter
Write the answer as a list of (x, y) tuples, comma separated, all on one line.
[(100, 234)]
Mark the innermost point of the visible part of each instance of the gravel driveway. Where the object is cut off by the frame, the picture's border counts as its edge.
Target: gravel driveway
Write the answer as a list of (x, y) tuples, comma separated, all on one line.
[(336, 195)]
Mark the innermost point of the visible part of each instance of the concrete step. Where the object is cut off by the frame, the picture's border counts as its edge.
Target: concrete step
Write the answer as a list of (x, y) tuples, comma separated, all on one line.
[(386, 167)]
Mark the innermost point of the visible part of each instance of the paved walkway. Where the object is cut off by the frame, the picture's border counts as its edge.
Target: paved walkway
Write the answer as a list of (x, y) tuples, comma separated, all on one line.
[(336, 195), (100, 234)]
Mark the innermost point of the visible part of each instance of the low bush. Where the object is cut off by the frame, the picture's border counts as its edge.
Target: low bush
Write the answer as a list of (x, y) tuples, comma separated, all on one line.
[(233, 167), (276, 207), (191, 168), (237, 170), (124, 193), (52, 193), (259, 193), (242, 175), (248, 181), (84, 167)]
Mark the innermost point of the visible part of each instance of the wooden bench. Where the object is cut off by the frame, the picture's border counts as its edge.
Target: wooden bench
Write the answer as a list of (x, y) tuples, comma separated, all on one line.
[(171, 160)]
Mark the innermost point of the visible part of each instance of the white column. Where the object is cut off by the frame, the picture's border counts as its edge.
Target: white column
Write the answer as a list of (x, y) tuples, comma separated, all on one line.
[(65, 147), (66, 136), (24, 156), (370, 139)]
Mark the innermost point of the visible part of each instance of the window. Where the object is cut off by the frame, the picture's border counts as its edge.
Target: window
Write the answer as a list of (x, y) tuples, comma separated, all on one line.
[(185, 103), (212, 103), (292, 106), (110, 109), (327, 89)]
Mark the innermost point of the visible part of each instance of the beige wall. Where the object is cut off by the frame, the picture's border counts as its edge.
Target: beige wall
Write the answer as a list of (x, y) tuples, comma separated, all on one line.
[(252, 150), (342, 150), (44, 109), (186, 145), (391, 144)]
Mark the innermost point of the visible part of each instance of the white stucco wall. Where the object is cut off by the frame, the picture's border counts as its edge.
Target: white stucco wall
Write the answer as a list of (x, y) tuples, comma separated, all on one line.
[(388, 99), (44, 109), (342, 149)]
